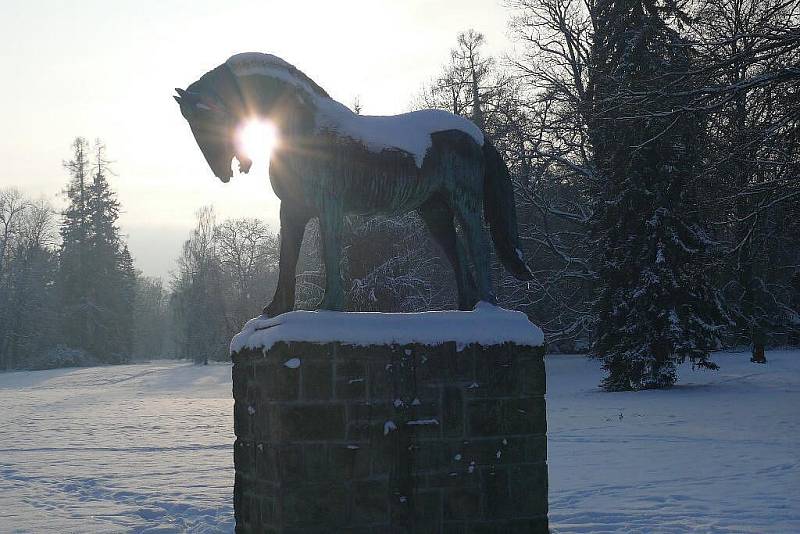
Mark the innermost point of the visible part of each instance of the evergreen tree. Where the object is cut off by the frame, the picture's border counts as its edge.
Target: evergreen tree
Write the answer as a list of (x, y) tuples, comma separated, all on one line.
[(655, 306), (112, 266), (123, 300), (97, 276), (74, 285)]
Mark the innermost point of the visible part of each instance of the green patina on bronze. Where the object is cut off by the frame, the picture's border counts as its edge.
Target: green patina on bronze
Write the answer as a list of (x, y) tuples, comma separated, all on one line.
[(320, 173)]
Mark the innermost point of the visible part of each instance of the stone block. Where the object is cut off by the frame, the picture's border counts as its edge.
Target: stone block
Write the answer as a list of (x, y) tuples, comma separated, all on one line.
[(528, 484), (497, 374), (523, 416), (276, 382), (496, 491), (309, 422), (452, 412), (314, 505), (317, 380), (370, 503), (390, 439), (351, 380), (536, 449), (484, 418), (533, 375), (462, 503), (350, 462)]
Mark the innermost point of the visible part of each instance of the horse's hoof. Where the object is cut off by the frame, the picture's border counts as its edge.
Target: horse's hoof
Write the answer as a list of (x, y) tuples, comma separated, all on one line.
[(331, 302), (330, 306)]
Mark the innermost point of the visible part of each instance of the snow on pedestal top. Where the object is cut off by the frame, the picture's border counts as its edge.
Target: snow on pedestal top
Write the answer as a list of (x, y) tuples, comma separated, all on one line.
[(485, 325)]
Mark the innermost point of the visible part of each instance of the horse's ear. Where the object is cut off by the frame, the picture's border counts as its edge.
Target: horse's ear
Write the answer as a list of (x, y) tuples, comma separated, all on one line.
[(191, 101), (186, 101)]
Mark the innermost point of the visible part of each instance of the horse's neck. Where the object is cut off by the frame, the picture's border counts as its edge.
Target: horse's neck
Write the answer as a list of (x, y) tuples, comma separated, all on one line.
[(266, 94)]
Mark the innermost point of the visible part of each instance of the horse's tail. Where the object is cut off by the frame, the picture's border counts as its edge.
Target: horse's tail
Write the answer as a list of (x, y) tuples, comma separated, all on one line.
[(501, 214)]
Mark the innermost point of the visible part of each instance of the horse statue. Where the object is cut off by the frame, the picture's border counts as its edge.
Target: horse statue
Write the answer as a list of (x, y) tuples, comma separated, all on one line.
[(331, 162)]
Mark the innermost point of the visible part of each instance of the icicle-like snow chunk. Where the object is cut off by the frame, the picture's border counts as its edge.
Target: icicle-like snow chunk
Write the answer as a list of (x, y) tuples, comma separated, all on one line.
[(423, 422), (388, 426)]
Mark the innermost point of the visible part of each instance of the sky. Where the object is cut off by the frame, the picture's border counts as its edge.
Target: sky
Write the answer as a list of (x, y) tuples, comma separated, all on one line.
[(102, 69)]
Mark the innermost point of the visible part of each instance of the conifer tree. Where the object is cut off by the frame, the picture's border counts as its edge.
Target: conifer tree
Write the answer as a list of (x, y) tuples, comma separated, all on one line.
[(74, 285), (656, 306), (96, 272), (111, 264)]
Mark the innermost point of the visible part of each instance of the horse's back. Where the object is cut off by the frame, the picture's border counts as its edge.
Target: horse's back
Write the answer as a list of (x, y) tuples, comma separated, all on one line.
[(389, 181)]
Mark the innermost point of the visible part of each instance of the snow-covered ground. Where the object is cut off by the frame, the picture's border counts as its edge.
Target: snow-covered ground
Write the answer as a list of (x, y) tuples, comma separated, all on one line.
[(143, 448), (720, 452), (147, 448)]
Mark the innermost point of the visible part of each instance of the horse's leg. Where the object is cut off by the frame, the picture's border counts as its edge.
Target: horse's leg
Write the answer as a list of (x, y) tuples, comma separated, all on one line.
[(330, 226), (438, 218), (470, 218), (293, 226)]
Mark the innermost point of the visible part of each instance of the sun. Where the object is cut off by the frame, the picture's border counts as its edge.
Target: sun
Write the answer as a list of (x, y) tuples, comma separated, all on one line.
[(257, 139)]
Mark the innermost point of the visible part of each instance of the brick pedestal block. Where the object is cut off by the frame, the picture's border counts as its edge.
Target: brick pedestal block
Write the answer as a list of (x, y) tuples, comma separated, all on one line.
[(390, 439)]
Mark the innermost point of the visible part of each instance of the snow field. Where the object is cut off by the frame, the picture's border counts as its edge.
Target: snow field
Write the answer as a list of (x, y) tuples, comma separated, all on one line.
[(148, 448), (141, 448)]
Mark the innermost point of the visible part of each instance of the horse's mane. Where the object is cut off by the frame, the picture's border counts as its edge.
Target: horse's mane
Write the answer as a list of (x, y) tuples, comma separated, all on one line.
[(250, 63)]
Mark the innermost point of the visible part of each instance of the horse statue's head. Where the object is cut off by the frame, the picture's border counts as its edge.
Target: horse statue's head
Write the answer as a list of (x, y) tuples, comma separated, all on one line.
[(247, 86)]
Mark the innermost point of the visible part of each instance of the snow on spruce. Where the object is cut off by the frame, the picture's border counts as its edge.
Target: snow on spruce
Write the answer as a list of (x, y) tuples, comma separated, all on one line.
[(410, 132)]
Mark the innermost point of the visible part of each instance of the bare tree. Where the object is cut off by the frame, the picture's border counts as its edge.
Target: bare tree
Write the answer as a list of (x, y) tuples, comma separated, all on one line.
[(549, 152), (27, 299), (197, 298), (248, 255), (747, 54), (393, 266), (12, 205)]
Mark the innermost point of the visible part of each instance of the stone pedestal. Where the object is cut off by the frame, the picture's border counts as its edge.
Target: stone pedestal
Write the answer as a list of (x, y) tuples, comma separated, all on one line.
[(383, 439)]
